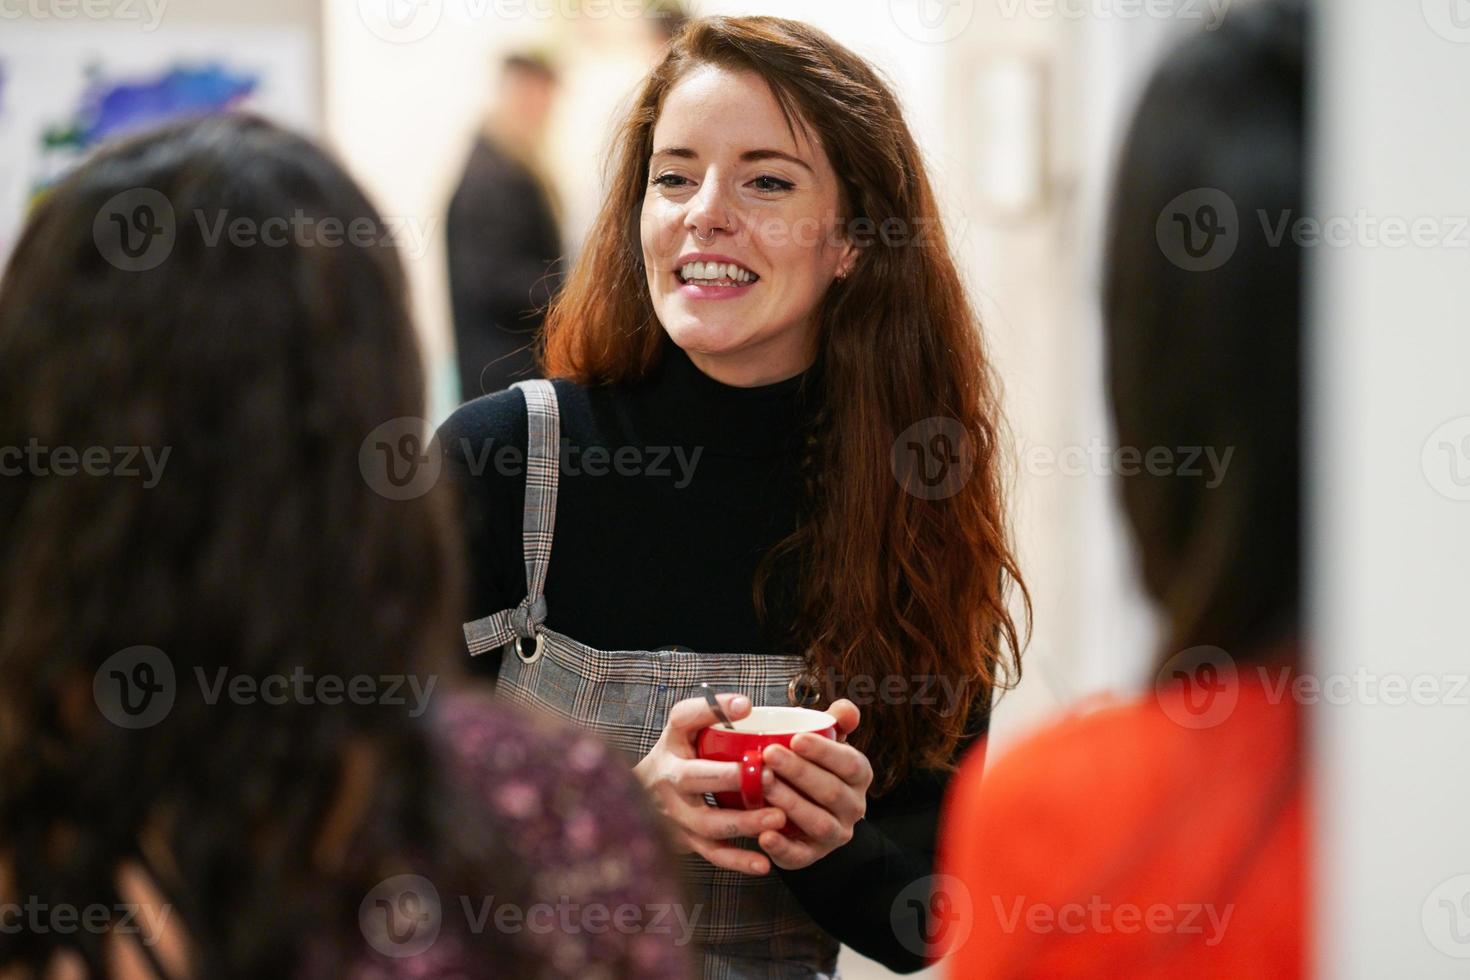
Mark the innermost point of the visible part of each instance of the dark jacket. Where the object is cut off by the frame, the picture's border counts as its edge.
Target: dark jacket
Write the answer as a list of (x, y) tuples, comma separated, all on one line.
[(503, 252)]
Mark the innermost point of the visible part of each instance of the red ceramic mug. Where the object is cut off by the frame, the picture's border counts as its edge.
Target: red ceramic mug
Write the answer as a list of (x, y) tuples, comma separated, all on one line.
[(744, 745)]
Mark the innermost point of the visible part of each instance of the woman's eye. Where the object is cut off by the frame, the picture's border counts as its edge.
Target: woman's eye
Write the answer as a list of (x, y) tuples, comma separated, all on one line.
[(768, 183), (669, 180)]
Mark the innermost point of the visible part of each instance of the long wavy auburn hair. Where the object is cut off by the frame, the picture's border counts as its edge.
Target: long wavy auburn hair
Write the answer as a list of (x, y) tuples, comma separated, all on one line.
[(889, 584)]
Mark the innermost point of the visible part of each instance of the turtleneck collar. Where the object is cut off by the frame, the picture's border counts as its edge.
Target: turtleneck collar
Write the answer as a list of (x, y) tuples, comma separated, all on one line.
[(694, 409)]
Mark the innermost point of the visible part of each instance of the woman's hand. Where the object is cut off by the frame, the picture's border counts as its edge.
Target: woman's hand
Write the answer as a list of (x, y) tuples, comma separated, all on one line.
[(822, 785), (678, 779)]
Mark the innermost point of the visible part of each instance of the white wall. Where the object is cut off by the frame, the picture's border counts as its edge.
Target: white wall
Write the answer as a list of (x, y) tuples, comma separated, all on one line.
[(1391, 532), (402, 103)]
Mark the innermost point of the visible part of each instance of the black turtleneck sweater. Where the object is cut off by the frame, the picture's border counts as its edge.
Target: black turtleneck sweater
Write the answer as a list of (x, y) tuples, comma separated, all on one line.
[(672, 489)]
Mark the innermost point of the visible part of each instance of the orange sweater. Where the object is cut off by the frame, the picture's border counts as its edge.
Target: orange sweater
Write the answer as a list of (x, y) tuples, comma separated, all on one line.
[(1136, 841)]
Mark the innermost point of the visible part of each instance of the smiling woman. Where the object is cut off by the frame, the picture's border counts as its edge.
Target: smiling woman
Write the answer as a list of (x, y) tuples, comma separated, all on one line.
[(844, 532)]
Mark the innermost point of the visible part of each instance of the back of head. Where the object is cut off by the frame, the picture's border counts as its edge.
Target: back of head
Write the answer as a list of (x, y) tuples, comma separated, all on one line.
[(1202, 309), (198, 329)]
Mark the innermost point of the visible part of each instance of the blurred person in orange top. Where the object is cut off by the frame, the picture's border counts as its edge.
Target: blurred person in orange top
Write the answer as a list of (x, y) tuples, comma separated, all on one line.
[(1165, 837)]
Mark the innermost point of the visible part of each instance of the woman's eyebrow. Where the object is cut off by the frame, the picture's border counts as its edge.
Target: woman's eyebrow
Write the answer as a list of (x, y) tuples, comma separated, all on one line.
[(749, 156)]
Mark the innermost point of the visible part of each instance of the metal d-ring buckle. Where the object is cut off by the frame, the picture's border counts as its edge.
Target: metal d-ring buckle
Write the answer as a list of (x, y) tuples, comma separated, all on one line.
[(802, 691), (535, 652)]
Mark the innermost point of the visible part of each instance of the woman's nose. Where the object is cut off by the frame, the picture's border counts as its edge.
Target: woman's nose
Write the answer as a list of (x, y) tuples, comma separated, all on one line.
[(709, 209)]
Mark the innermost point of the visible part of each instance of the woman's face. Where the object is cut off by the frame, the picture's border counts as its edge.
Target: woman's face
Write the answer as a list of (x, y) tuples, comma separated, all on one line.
[(728, 185)]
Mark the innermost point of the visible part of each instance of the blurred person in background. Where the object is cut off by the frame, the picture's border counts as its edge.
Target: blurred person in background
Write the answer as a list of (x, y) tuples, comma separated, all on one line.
[(1166, 837), (665, 18), (261, 834), (751, 491), (502, 235)]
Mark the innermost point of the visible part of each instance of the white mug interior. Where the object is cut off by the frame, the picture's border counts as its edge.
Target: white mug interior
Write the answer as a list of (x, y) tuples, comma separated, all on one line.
[(777, 720)]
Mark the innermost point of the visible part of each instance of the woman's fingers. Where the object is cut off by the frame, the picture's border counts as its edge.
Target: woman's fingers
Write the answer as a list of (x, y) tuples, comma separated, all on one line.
[(728, 857), (788, 853), (842, 760), (694, 816), (691, 714), (718, 823), (816, 783), (694, 777), (817, 823), (848, 716)]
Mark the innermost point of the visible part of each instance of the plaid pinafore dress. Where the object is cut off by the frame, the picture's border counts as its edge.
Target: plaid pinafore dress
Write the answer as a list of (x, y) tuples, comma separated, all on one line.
[(748, 928)]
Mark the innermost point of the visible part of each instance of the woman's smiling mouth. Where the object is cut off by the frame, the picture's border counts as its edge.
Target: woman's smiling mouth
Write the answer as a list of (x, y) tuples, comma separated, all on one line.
[(701, 278), (715, 274)]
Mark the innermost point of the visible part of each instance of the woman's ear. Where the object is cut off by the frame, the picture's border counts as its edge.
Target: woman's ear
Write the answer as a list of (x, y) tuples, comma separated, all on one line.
[(847, 259)]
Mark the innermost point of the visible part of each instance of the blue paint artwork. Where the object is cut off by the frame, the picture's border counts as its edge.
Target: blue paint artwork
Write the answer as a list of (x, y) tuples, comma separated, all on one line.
[(112, 108)]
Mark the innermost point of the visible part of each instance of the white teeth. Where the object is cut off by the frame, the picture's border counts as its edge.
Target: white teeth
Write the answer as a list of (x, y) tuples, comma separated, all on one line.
[(707, 272)]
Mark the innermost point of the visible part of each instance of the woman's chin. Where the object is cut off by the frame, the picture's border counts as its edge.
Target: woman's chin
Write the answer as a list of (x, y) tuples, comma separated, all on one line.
[(706, 336)]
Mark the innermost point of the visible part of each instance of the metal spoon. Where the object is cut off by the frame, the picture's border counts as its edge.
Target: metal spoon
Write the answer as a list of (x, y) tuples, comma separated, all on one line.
[(714, 705)]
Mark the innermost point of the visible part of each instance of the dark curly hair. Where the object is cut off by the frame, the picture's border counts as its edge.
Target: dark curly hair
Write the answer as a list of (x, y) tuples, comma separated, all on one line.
[(259, 366)]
